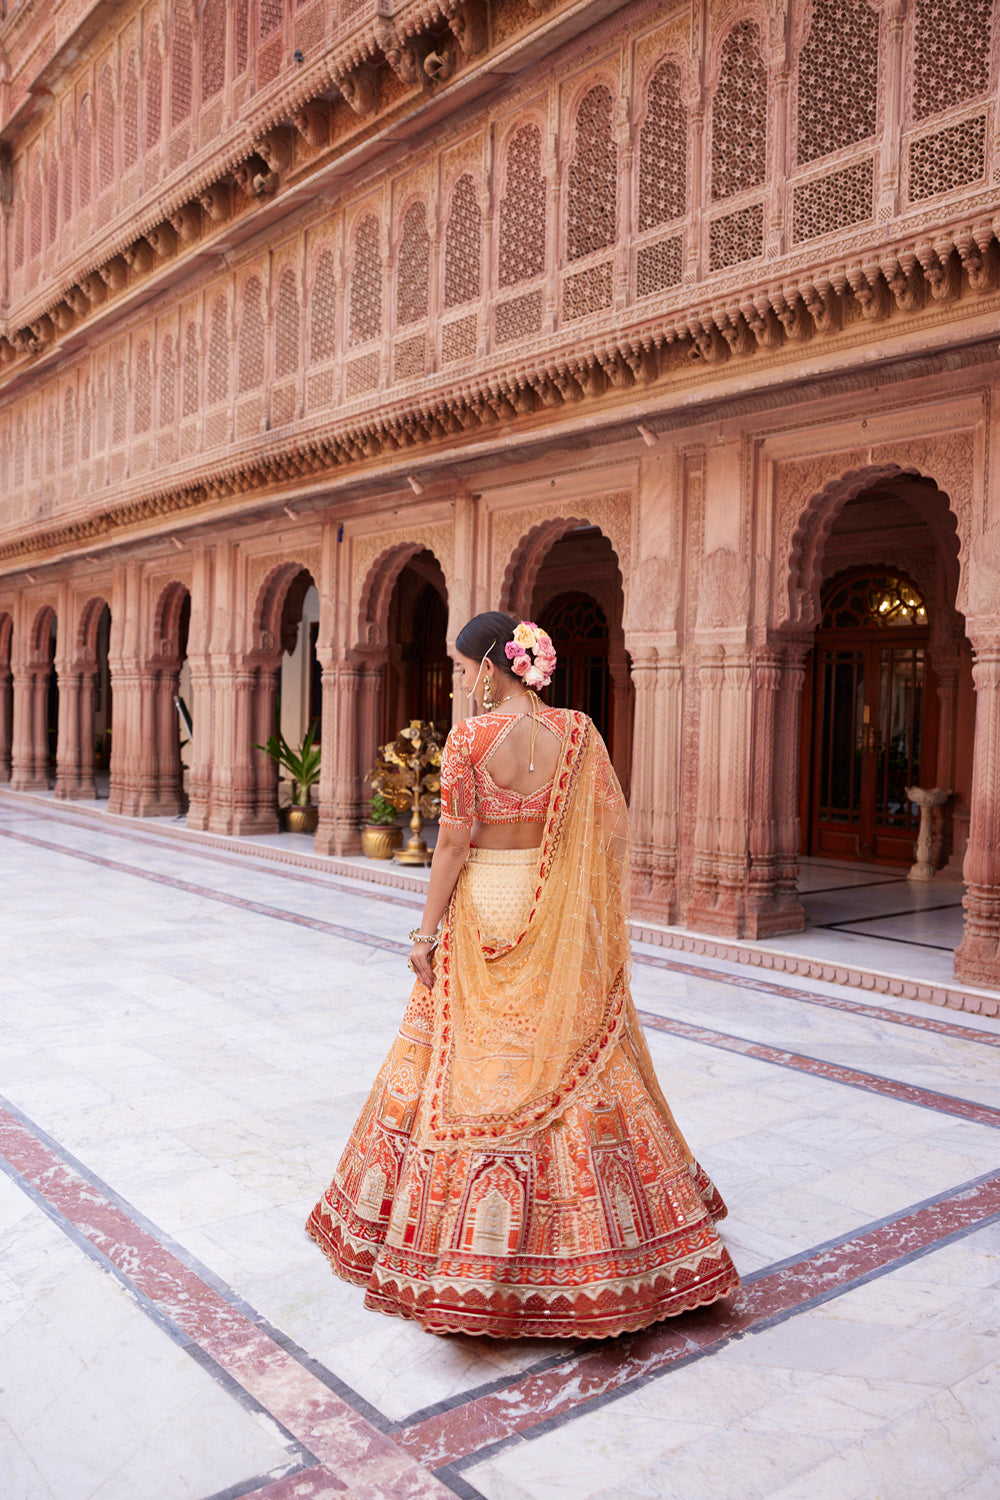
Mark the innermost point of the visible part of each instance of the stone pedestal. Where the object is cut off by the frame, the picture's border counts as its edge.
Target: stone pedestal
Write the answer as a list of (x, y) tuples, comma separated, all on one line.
[(926, 800)]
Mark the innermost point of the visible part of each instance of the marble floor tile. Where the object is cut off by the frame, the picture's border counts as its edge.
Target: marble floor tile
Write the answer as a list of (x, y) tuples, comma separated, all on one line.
[(203, 1061)]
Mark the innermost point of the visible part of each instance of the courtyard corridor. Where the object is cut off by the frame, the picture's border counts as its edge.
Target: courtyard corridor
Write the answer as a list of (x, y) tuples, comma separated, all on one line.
[(186, 1035)]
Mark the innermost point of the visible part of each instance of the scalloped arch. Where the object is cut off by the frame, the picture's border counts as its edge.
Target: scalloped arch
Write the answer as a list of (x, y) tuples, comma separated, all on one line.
[(376, 591), (525, 561), (269, 605), (805, 560)]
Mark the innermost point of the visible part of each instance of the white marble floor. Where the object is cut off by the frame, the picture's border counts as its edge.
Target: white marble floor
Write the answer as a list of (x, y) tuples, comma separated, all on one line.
[(185, 1038)]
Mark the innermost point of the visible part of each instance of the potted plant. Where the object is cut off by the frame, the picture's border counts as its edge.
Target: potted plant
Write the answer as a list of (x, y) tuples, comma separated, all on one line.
[(302, 766), (407, 774), (380, 838)]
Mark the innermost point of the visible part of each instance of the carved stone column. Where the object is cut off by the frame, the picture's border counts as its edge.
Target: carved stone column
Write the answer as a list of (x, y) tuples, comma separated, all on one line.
[(23, 774), (69, 748), (340, 810), (704, 886), (265, 700), (733, 793), (977, 958), (620, 748), (6, 726), (86, 785), (773, 904), (657, 679), (200, 750)]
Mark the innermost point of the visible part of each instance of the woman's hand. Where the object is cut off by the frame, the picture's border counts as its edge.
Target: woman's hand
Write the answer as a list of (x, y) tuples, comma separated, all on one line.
[(421, 963)]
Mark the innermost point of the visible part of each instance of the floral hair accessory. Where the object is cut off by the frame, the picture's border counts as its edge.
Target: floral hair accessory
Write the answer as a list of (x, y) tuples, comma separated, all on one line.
[(532, 655)]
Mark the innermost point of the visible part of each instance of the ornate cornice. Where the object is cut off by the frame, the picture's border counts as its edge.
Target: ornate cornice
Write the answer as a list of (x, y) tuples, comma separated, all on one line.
[(596, 381)]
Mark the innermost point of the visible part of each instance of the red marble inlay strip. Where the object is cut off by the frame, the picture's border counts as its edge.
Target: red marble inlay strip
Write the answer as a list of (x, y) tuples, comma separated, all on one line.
[(339, 1437), (307, 1484), (892, 1088), (565, 1388), (829, 1002)]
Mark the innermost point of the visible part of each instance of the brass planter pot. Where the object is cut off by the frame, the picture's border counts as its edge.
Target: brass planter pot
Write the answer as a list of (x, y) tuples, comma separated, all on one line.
[(379, 842), (301, 819)]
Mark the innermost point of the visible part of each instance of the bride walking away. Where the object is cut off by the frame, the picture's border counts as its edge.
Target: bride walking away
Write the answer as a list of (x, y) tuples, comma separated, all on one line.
[(516, 1170)]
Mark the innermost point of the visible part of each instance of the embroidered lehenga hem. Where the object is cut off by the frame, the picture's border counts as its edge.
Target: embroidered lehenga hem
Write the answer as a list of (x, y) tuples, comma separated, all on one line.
[(516, 1170)]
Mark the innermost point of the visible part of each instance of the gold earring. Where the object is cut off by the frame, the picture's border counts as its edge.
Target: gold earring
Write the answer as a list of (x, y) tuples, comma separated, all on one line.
[(487, 692)]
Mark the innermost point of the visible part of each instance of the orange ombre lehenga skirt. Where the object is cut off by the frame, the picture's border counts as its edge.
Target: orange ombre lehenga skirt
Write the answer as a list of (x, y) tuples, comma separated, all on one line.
[(563, 1204)]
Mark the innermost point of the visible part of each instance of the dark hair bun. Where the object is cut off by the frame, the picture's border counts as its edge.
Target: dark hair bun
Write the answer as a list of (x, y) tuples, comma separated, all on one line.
[(486, 635)]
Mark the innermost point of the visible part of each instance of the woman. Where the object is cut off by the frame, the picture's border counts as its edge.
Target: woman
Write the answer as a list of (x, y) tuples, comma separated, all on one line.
[(516, 1170)]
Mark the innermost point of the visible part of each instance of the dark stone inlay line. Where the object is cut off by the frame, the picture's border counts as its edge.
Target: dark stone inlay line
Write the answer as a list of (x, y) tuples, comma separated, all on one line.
[(818, 1067), (478, 1429)]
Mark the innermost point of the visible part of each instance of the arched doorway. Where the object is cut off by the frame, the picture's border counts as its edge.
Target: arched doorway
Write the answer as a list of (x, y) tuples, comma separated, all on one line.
[(888, 701), (416, 678), (577, 596), (582, 678), (874, 725), (283, 675), (158, 789), (102, 700), (6, 696)]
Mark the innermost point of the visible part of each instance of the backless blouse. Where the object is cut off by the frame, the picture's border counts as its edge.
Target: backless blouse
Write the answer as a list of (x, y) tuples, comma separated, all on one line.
[(468, 791)]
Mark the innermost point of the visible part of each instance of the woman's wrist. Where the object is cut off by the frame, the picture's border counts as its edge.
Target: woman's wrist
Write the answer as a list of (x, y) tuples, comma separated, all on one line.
[(416, 936)]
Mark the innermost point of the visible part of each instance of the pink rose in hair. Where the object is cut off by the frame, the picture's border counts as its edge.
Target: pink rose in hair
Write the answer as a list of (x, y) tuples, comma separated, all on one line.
[(522, 666), (533, 678)]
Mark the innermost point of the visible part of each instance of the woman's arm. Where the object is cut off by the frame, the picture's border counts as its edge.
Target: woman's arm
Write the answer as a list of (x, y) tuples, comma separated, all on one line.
[(450, 854)]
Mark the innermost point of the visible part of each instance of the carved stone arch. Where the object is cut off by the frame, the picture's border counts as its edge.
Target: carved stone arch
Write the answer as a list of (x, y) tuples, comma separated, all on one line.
[(165, 643), (286, 583), (816, 519), (651, 66), (529, 117), (722, 27), (602, 76), (86, 630), (376, 591), (40, 635), (522, 569), (6, 639)]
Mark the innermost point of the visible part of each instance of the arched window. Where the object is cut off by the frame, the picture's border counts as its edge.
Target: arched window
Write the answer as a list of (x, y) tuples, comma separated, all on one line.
[(250, 337), (52, 186), (154, 89), (143, 397), (663, 150), (366, 283), (67, 174), (84, 151), (241, 24), (286, 326), (953, 43), (35, 210), (323, 310), (213, 49), (105, 131), (190, 373), (462, 241), (837, 78), (270, 15), (522, 210), (218, 353), (86, 419), (130, 112), (167, 379), (180, 67), (119, 405), (69, 429), (413, 274), (593, 174), (739, 114)]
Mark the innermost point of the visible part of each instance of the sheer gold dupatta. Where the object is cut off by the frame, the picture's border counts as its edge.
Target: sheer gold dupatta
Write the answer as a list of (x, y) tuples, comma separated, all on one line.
[(523, 1027)]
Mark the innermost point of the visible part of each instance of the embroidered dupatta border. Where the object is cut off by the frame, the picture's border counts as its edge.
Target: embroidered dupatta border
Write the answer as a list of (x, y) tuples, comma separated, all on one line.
[(589, 1057)]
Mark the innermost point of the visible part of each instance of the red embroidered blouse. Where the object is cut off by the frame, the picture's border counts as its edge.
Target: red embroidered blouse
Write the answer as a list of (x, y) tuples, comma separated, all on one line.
[(468, 791)]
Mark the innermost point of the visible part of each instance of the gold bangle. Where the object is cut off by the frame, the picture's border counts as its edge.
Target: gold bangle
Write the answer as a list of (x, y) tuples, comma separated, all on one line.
[(416, 936)]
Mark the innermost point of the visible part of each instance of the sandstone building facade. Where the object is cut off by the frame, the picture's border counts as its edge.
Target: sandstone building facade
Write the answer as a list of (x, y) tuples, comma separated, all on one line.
[(327, 323)]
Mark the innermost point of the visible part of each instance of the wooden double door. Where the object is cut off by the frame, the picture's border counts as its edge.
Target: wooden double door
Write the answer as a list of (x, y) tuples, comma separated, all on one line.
[(870, 741)]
